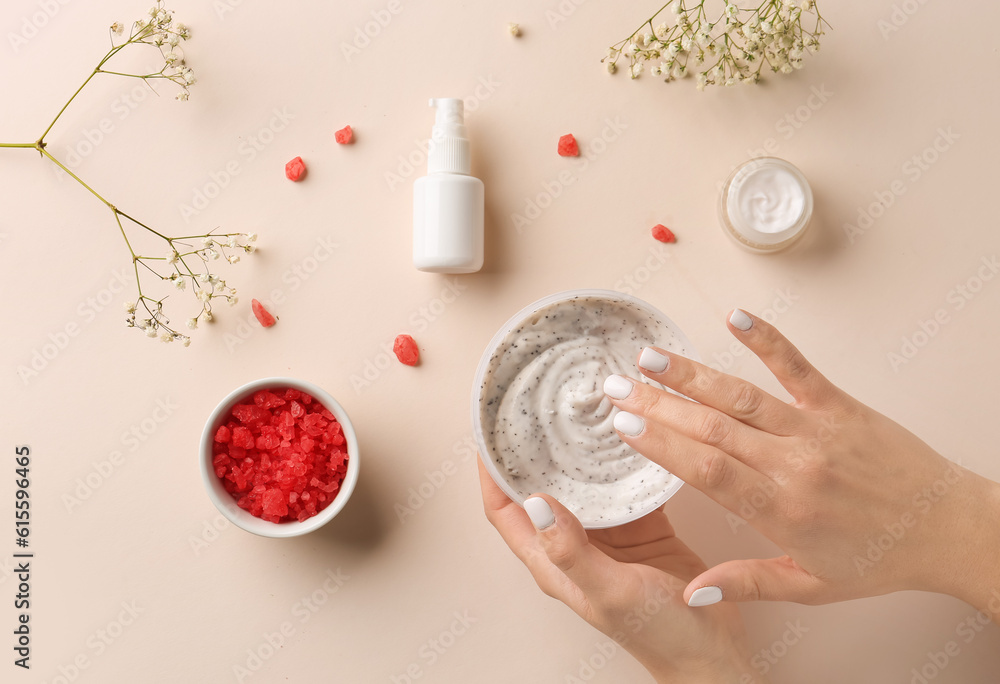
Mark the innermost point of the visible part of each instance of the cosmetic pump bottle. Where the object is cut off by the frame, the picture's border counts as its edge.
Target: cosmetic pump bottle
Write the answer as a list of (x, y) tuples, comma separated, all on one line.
[(448, 201)]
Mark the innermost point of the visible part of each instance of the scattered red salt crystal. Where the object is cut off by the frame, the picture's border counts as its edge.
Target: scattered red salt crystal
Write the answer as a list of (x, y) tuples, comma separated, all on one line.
[(295, 169), (406, 350), (663, 234), (280, 454), (568, 146), (264, 316), (344, 136)]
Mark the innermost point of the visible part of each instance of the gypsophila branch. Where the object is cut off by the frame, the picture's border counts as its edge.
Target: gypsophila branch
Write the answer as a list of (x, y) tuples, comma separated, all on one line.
[(732, 49), (159, 30)]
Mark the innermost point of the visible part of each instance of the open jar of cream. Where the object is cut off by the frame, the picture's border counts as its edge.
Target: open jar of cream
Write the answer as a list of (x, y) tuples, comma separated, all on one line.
[(766, 204), (540, 416)]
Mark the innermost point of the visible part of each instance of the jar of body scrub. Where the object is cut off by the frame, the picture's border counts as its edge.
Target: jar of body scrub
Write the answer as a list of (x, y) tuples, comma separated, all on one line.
[(540, 416), (766, 204)]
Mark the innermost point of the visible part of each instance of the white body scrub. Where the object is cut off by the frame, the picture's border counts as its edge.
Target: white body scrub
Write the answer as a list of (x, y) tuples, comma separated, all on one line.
[(541, 416), (766, 204)]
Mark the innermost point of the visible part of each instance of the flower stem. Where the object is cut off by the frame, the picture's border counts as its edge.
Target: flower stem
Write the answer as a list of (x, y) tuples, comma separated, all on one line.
[(76, 177), (42, 136), (17, 145)]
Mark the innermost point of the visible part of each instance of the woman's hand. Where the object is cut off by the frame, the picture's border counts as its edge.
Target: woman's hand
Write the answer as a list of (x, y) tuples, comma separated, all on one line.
[(860, 505), (627, 582)]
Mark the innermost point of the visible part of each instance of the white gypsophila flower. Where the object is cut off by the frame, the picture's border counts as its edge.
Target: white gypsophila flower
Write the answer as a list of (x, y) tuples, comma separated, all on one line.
[(251, 237), (208, 315), (186, 341), (171, 57), (117, 28), (731, 10), (677, 7), (654, 70), (207, 241), (166, 337), (129, 307), (636, 70), (203, 277), (612, 68), (212, 254), (660, 30), (180, 283), (233, 259), (232, 241), (173, 257), (631, 49), (514, 30), (233, 301), (192, 323), (203, 295), (183, 96), (702, 81), (151, 331), (612, 53)]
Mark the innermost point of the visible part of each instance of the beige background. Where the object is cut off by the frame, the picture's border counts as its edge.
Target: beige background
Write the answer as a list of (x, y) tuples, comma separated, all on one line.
[(145, 533)]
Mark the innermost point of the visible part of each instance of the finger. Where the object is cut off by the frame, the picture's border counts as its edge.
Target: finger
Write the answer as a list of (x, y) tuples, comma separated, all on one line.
[(713, 471), (738, 398), (771, 579), (515, 528), (807, 385), (506, 516), (568, 548), (705, 424)]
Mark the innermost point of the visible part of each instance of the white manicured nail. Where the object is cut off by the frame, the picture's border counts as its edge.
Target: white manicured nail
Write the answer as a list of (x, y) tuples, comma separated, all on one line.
[(653, 361), (540, 512), (740, 320), (705, 596), (629, 423), (617, 387)]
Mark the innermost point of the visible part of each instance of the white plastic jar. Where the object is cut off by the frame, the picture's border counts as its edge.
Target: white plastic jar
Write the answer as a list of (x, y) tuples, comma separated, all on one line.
[(766, 204)]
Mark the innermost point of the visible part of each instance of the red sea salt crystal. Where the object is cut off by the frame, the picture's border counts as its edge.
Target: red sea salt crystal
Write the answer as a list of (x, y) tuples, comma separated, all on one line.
[(663, 234), (295, 169), (264, 316), (568, 146), (344, 136), (406, 350), (280, 455)]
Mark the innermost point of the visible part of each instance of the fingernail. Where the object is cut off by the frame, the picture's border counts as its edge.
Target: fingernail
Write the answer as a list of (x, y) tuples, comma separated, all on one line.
[(653, 361), (740, 320), (540, 512), (629, 423), (617, 387), (705, 596)]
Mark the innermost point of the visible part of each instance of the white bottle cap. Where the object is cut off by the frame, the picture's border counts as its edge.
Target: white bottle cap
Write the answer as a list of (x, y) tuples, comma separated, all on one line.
[(449, 146)]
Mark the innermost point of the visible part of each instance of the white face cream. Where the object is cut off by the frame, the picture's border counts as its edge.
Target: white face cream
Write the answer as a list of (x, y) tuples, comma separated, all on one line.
[(540, 412), (766, 204)]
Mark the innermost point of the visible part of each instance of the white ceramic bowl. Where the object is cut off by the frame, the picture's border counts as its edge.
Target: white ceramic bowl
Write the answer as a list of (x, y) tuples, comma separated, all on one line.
[(224, 501), (668, 330)]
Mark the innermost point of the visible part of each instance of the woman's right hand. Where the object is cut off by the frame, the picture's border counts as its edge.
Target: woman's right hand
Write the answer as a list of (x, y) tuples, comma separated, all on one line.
[(859, 504)]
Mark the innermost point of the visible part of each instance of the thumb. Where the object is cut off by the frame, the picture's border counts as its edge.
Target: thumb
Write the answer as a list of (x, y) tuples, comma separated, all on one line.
[(567, 546), (756, 579)]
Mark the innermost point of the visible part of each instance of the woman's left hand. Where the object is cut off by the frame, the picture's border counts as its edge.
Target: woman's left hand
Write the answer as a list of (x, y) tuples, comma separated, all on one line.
[(628, 582)]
